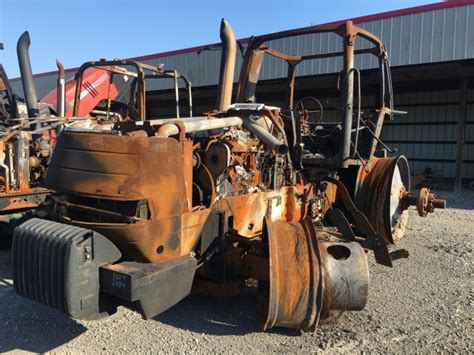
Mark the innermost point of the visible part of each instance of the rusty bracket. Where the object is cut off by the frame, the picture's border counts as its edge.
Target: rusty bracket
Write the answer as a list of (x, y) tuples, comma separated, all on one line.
[(372, 241), (336, 216), (182, 130)]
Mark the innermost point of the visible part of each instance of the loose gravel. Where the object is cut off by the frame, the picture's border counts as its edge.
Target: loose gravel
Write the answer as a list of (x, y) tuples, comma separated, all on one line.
[(423, 304)]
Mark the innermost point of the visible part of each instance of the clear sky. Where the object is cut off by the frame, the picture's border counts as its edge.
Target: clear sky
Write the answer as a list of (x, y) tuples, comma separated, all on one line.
[(80, 30)]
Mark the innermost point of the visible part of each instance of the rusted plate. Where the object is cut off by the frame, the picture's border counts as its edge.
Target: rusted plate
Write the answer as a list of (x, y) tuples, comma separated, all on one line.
[(307, 278), (12, 202), (292, 297)]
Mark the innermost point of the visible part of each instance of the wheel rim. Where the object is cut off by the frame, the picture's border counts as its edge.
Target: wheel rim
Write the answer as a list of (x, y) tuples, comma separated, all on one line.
[(394, 206), (378, 194)]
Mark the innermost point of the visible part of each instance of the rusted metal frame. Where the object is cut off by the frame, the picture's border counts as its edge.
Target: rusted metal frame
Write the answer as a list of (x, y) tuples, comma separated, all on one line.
[(249, 75), (387, 83), (338, 29), (382, 91), (109, 98), (84, 208), (132, 92), (337, 218), (372, 240), (141, 92), (349, 32), (291, 83), (256, 42), (378, 129), (153, 68), (187, 83), (107, 66), (360, 159), (118, 70), (115, 66), (370, 37), (173, 74), (461, 136), (20, 200), (294, 60), (190, 97), (187, 154), (359, 105), (176, 93), (348, 91), (14, 130), (372, 50)]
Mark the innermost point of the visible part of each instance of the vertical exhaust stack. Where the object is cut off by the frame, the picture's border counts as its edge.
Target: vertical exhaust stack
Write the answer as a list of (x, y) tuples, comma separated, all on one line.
[(27, 77), (226, 77), (61, 90)]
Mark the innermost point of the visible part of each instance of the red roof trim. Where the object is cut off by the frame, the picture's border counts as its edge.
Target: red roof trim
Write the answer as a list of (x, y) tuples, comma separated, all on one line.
[(374, 17)]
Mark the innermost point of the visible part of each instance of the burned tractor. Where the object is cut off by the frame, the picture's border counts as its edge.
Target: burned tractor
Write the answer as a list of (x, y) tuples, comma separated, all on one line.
[(147, 210)]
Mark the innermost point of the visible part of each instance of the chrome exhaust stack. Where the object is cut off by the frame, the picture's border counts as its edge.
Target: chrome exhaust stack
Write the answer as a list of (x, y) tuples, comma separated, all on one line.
[(61, 90), (226, 77)]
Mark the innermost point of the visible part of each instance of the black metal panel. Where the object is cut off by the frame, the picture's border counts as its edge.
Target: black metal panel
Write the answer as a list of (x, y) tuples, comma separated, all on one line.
[(154, 287), (58, 265)]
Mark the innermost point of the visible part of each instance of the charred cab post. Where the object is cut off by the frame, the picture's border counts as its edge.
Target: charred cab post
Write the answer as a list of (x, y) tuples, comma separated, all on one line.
[(149, 209)]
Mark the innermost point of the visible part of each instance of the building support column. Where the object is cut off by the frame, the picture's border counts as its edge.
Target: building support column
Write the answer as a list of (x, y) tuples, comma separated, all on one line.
[(462, 117)]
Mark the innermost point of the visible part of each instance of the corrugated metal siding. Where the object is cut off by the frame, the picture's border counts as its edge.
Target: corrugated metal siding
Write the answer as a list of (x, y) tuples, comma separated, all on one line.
[(43, 84), (425, 37), (432, 124), (468, 169)]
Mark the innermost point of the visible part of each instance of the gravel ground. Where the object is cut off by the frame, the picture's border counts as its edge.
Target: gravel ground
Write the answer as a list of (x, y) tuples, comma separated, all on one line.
[(424, 304)]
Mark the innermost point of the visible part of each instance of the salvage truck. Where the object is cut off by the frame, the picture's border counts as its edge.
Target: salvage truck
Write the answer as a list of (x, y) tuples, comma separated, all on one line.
[(146, 210)]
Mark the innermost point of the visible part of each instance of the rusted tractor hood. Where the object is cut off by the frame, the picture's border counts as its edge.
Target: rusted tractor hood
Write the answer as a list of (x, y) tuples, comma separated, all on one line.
[(119, 167)]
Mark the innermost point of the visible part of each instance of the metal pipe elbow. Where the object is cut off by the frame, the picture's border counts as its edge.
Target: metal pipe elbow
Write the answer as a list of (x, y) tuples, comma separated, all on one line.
[(167, 130)]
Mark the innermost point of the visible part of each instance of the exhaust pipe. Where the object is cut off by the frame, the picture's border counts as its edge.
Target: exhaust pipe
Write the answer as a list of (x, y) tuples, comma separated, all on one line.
[(266, 137), (170, 129), (226, 77), (61, 90), (27, 77), (198, 124)]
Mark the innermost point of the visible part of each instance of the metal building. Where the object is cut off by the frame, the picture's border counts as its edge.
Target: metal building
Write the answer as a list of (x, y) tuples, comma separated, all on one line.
[(431, 50)]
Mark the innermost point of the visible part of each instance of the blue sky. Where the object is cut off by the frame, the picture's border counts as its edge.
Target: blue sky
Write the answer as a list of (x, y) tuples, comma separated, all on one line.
[(80, 30)]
